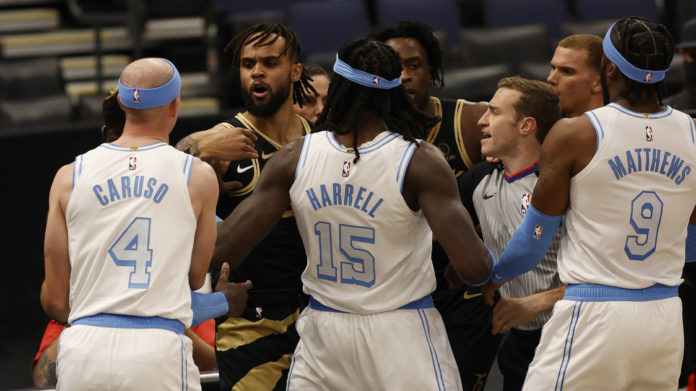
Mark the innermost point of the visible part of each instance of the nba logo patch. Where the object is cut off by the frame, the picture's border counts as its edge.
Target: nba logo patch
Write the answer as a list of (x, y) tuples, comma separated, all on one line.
[(648, 133), (537, 232), (346, 169), (376, 80), (131, 163), (526, 199), (259, 313), (136, 95), (648, 76)]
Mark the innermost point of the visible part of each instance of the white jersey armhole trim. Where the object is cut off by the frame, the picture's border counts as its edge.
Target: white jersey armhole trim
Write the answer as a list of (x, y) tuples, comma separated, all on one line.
[(403, 165), (599, 131), (188, 165), (303, 155), (77, 169)]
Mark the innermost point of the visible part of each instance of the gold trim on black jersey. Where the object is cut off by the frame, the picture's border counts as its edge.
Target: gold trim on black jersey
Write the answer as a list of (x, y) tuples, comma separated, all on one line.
[(459, 138), (235, 332), (241, 118), (432, 135)]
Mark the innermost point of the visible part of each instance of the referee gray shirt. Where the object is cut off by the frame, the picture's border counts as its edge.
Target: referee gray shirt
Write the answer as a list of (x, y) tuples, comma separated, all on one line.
[(498, 203)]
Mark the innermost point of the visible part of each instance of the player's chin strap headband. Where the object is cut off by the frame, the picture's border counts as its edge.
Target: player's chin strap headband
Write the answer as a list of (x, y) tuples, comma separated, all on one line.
[(147, 98), (363, 78), (644, 76)]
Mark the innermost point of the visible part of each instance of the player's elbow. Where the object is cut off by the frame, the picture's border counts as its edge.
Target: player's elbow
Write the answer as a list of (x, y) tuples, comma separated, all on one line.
[(476, 269), (56, 307)]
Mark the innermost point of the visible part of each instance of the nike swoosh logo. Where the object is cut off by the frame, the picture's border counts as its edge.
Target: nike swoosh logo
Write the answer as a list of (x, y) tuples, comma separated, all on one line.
[(487, 196), (241, 170), (265, 156), (468, 295)]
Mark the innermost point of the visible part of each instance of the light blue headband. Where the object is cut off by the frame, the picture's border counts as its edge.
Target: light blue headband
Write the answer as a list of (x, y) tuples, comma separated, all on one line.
[(644, 76), (363, 78), (147, 98)]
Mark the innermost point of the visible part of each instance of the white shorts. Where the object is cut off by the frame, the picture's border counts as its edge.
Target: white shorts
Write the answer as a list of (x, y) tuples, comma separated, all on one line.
[(404, 349), (108, 358), (610, 345)]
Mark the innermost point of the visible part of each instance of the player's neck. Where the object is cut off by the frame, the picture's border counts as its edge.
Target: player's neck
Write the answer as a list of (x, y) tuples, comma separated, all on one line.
[(647, 105), (369, 126), (282, 127), (139, 134), (428, 107)]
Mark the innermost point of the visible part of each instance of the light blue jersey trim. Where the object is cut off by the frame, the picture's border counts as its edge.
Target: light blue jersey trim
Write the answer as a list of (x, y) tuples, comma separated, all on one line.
[(403, 165), (424, 302), (77, 168), (131, 322), (292, 366), (666, 112), (141, 148), (184, 365), (363, 150), (188, 167), (567, 347), (597, 127), (433, 352), (691, 126), (303, 155), (597, 292)]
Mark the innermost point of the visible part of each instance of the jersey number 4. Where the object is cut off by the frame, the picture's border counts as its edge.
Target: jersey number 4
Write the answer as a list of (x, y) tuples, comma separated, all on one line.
[(646, 215), (132, 249), (359, 266)]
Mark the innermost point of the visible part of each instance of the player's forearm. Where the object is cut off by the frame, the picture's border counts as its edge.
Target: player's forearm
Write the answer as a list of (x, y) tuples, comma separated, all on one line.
[(203, 354), (44, 373), (191, 143), (548, 298)]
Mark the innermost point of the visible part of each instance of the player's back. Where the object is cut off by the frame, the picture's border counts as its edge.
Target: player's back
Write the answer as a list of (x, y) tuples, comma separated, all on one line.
[(131, 228), (630, 206), (367, 250)]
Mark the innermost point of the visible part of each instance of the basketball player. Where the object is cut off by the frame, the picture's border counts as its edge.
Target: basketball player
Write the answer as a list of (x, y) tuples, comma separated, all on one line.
[(575, 70), (497, 195), (230, 299), (621, 177), (254, 350), (467, 318), (312, 107), (130, 228), (361, 192)]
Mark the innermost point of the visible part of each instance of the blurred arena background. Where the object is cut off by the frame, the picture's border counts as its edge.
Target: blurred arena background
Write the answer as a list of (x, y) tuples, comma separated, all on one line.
[(58, 59)]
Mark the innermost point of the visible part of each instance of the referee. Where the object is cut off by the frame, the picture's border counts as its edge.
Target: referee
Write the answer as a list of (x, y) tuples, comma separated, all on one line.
[(497, 196)]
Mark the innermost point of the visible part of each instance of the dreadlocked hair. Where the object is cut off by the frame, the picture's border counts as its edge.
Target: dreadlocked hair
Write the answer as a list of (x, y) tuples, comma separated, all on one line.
[(646, 45), (425, 36), (264, 34), (346, 100)]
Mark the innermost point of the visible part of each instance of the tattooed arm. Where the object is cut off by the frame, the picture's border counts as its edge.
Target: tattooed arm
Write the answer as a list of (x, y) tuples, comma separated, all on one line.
[(44, 372), (223, 141)]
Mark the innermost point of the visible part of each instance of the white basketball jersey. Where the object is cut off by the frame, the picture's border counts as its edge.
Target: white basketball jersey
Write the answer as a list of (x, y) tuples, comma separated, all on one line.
[(131, 228), (629, 208), (367, 251)]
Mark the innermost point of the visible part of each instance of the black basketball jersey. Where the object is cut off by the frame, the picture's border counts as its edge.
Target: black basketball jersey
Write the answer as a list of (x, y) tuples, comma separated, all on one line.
[(277, 262), (447, 135)]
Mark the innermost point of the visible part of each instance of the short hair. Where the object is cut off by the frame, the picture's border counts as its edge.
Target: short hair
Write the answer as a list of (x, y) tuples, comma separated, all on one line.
[(314, 69), (538, 100), (114, 117), (646, 45), (425, 36), (590, 43), (346, 100), (264, 34)]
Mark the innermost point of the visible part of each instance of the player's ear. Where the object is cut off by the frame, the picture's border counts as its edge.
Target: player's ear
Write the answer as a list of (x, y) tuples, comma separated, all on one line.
[(296, 71)]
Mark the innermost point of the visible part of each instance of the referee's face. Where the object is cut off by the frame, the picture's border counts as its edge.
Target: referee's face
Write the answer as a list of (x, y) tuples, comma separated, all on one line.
[(415, 72), (500, 124)]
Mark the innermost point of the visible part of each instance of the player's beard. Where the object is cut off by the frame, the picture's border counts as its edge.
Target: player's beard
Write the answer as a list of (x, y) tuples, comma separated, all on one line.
[(269, 108)]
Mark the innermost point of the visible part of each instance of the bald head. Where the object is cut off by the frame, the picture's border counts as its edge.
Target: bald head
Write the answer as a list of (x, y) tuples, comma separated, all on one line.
[(147, 73)]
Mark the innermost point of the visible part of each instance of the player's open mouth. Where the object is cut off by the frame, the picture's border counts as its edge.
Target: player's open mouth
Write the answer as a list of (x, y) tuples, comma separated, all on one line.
[(259, 90), (411, 93), (485, 135)]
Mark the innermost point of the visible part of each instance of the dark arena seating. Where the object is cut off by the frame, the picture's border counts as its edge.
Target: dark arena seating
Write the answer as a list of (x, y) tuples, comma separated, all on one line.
[(59, 59)]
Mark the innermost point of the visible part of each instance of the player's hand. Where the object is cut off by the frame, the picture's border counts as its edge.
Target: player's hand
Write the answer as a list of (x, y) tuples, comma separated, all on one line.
[(220, 168), (230, 144), (513, 312), (488, 289), (236, 293), (492, 159)]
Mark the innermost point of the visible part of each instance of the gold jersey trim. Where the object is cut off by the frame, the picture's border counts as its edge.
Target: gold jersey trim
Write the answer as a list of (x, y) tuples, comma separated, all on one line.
[(459, 138), (263, 377), (432, 135), (241, 118), (235, 332)]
